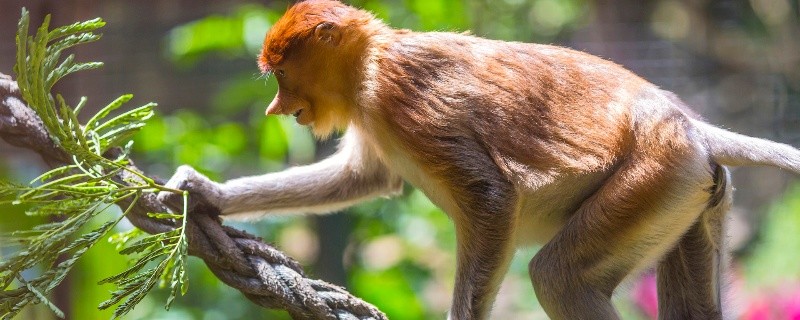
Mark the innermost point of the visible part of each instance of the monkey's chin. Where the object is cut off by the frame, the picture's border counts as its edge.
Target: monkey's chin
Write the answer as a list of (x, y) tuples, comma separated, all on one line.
[(298, 117), (307, 120)]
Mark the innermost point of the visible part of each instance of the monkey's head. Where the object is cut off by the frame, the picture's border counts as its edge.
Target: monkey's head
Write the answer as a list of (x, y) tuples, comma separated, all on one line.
[(315, 51)]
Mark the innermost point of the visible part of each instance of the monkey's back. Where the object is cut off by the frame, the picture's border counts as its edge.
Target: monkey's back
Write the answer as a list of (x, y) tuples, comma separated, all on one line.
[(532, 108)]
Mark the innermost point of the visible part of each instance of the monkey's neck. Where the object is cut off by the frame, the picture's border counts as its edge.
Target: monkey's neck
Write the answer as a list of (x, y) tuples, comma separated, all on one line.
[(375, 38)]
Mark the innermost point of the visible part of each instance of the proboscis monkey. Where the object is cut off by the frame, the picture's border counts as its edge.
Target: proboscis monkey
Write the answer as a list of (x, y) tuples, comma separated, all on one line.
[(519, 143)]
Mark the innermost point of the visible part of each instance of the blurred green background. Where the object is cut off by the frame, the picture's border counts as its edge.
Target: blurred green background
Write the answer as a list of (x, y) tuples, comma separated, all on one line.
[(735, 62)]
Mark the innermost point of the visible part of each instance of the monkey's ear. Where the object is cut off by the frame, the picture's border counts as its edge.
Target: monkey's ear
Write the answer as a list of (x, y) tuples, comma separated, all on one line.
[(328, 32)]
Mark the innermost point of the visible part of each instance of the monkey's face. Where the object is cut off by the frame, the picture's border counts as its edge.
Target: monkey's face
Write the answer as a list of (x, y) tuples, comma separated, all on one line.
[(289, 101), (310, 90), (313, 57)]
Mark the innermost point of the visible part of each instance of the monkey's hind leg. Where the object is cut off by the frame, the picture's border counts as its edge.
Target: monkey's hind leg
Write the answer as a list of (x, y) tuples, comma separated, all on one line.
[(635, 218), (690, 276)]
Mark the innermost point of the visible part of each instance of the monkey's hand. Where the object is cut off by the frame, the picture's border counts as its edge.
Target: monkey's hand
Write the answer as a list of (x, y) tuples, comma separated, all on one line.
[(202, 191)]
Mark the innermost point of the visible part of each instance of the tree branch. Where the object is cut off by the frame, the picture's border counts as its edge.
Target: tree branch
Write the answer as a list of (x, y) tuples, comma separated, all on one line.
[(264, 274)]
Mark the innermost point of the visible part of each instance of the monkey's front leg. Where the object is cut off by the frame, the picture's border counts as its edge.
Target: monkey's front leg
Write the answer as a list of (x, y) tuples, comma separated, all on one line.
[(351, 175)]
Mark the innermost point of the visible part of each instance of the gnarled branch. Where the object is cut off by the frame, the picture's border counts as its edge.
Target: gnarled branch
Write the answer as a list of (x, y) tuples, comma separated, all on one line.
[(264, 274)]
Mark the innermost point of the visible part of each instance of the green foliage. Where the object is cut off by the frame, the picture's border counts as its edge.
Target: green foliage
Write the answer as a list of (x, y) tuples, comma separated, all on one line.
[(230, 35), (168, 250), (770, 263), (437, 15), (75, 194), (391, 290), (518, 20), (274, 141), (211, 141)]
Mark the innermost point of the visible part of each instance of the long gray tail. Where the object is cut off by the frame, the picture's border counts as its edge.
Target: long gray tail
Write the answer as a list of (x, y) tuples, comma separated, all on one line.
[(733, 149)]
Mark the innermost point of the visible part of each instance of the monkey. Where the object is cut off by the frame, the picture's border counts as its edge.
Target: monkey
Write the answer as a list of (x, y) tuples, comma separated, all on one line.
[(518, 144)]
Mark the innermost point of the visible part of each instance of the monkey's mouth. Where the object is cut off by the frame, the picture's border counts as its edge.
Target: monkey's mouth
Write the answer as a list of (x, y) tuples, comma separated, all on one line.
[(297, 113)]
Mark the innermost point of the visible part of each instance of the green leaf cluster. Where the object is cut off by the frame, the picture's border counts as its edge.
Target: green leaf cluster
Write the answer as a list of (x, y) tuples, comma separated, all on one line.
[(167, 250), (76, 193)]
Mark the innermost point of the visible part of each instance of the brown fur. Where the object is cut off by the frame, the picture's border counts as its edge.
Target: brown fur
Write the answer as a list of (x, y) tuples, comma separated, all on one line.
[(516, 142)]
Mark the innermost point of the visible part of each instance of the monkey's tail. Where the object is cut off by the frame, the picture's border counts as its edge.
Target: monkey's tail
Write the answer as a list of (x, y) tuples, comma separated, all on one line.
[(733, 149)]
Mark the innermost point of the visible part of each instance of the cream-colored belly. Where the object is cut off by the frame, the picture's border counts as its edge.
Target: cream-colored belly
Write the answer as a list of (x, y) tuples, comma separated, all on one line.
[(541, 212), (403, 165)]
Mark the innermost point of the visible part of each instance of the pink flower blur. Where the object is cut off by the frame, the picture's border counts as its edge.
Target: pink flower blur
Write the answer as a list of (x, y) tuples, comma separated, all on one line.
[(645, 295)]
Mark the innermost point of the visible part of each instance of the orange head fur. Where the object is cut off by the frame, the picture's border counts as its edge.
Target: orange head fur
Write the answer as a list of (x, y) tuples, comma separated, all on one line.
[(314, 50), (294, 27)]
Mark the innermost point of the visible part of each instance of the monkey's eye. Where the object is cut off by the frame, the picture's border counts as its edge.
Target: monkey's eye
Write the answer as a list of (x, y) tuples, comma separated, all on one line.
[(280, 73)]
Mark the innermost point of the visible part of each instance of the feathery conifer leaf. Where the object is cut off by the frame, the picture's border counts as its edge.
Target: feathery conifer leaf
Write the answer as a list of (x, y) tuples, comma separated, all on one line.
[(80, 193)]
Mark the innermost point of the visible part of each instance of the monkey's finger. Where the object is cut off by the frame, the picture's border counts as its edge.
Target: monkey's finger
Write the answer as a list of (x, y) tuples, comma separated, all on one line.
[(171, 200)]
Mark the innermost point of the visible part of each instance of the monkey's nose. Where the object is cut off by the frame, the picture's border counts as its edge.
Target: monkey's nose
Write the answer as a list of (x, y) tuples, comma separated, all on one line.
[(274, 106)]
